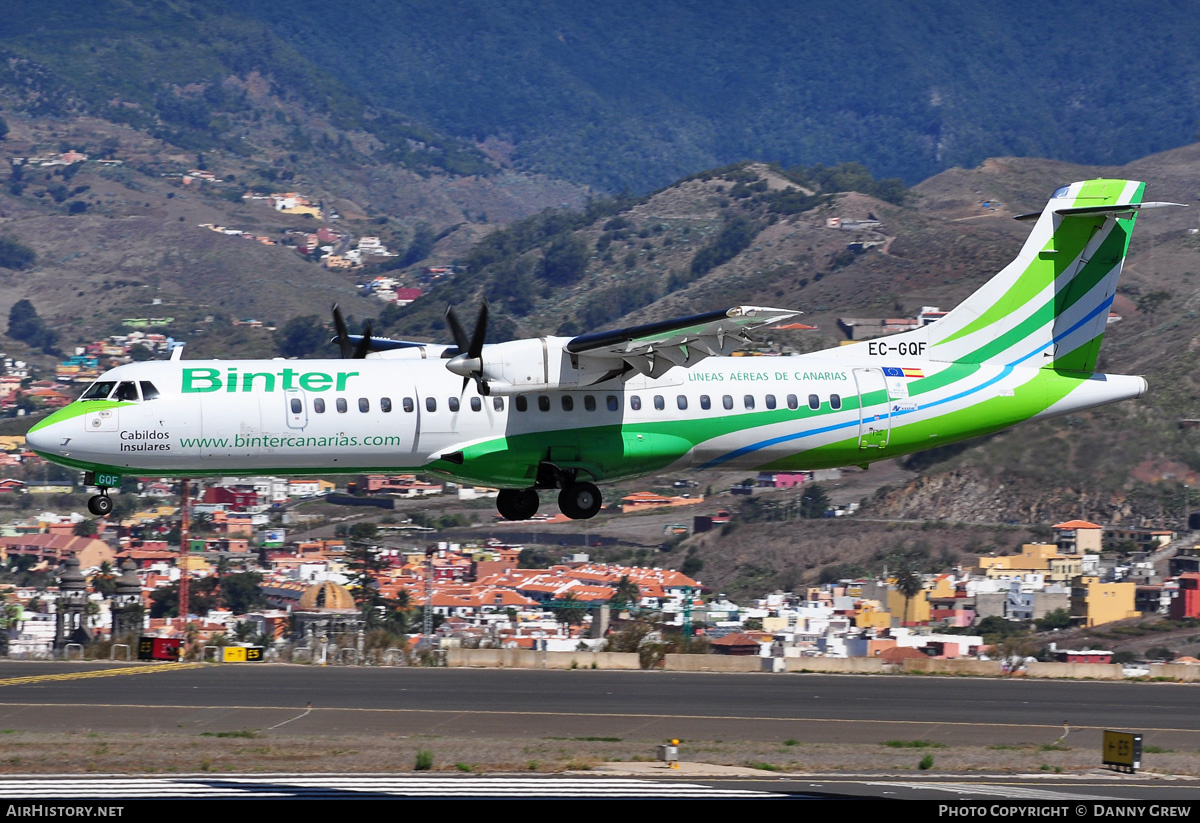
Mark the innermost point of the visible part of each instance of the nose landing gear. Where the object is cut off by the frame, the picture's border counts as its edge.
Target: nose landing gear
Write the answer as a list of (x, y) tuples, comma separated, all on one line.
[(101, 504)]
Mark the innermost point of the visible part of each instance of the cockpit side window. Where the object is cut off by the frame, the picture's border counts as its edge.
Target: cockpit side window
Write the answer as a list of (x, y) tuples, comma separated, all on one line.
[(98, 391), (127, 391), (148, 390)]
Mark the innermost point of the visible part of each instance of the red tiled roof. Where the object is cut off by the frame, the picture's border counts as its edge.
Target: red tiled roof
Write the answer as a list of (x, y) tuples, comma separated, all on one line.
[(1077, 524)]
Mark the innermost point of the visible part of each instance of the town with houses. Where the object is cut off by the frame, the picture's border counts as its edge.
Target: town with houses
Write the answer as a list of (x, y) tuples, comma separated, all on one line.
[(76, 583)]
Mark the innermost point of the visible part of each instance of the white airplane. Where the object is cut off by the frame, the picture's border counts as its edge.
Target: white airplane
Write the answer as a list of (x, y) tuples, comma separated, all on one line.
[(567, 413)]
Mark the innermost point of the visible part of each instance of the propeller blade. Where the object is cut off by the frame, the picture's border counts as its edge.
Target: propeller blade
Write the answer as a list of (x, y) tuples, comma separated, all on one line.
[(456, 329), (343, 334), (364, 345), (476, 347), (469, 360)]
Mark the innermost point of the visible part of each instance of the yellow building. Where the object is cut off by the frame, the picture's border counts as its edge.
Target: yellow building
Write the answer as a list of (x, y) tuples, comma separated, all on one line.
[(775, 624), (916, 610), (869, 614), (943, 587), (1079, 537), (1093, 602), (1035, 558)]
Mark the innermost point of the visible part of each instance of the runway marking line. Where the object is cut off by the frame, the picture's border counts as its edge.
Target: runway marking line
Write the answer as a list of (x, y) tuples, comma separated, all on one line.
[(46, 678), (594, 715)]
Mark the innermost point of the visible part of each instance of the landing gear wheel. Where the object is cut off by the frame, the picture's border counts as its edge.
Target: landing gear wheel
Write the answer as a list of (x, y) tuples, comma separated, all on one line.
[(579, 501), (517, 504), (100, 505)]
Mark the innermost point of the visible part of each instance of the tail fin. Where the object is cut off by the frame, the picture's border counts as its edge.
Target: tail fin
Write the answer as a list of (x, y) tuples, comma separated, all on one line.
[(1051, 304), (1048, 307)]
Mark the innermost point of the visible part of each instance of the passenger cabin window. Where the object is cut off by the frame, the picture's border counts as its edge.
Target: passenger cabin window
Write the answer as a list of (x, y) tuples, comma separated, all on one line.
[(705, 402), (635, 402), (681, 402), (727, 401), (544, 402), (341, 405), (297, 407), (407, 404), (498, 403), (659, 402), (453, 403), (364, 405), (476, 404), (522, 403), (793, 402), (835, 401), (814, 402), (748, 401), (589, 402), (613, 404), (430, 404), (770, 400), (568, 403), (148, 390), (319, 405), (385, 405), (98, 391), (127, 391)]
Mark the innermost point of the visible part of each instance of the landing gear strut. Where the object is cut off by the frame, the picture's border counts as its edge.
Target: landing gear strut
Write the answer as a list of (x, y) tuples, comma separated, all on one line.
[(517, 504), (580, 501), (101, 504)]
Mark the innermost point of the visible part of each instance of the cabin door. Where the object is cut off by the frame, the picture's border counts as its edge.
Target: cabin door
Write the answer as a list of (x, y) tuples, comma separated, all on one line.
[(874, 410)]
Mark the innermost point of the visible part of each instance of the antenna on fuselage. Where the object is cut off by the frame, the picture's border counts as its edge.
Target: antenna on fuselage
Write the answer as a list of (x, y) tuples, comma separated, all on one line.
[(177, 352)]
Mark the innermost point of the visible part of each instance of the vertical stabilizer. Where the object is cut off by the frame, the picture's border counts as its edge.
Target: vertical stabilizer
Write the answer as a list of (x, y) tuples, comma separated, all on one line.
[(1050, 305)]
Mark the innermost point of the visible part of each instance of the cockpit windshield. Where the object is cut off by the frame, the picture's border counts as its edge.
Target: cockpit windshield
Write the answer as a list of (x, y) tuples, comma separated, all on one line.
[(98, 391), (126, 391)]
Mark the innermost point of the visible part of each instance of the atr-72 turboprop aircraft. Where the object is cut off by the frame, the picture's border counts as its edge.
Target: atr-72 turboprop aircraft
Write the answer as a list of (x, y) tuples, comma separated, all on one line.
[(567, 413)]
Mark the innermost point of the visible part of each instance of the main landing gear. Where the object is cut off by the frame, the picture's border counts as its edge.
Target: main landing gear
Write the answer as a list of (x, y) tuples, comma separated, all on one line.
[(580, 501), (577, 500), (517, 504)]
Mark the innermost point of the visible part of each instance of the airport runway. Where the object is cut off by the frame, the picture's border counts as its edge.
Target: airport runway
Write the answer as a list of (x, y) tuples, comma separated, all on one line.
[(309, 700)]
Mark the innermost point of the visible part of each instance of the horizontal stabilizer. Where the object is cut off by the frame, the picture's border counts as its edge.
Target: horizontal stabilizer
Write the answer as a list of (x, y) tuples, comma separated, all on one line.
[(1118, 210)]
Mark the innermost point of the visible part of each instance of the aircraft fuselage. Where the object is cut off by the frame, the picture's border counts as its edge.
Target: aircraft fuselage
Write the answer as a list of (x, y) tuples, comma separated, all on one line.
[(346, 416)]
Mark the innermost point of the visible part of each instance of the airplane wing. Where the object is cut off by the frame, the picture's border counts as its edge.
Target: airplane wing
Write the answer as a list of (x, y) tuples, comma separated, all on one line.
[(654, 348)]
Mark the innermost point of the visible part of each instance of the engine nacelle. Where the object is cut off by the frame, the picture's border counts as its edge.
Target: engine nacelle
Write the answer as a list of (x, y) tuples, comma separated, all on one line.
[(537, 365)]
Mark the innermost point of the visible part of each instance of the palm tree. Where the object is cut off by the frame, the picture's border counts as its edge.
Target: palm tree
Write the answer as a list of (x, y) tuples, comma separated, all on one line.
[(626, 594), (569, 610), (909, 583)]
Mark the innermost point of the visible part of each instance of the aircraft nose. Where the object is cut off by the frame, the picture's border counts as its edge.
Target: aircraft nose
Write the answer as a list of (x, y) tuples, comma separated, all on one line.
[(44, 437)]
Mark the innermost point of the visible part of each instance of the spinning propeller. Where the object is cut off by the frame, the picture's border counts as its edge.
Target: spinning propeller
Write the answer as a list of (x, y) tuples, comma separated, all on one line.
[(469, 361)]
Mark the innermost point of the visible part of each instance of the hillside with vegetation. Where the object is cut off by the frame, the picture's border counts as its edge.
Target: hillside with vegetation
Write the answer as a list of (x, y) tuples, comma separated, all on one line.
[(619, 96)]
